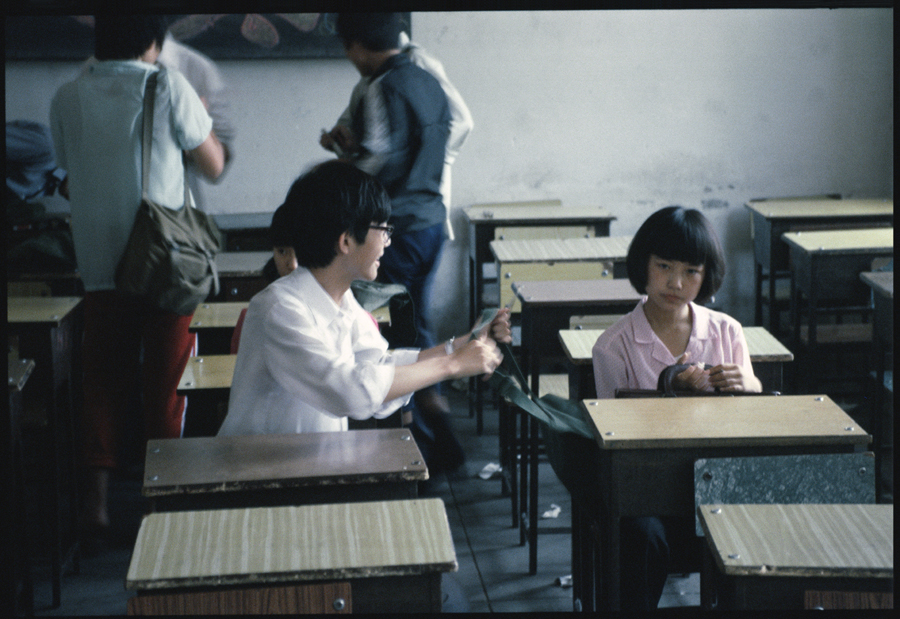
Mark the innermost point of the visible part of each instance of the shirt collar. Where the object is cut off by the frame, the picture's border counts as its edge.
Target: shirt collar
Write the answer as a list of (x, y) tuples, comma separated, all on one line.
[(323, 307), (643, 332)]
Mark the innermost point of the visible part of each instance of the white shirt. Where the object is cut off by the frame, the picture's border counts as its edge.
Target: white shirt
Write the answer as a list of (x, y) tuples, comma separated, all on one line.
[(96, 122), (204, 76), (306, 364)]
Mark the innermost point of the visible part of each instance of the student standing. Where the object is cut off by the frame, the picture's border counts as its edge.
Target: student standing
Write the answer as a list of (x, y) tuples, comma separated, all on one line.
[(96, 124), (400, 130)]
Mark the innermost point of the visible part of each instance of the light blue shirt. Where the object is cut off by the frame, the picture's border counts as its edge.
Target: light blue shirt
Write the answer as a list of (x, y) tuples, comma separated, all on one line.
[(96, 122)]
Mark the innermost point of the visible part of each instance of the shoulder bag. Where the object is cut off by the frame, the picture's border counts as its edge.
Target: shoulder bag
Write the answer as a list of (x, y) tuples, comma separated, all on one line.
[(170, 257)]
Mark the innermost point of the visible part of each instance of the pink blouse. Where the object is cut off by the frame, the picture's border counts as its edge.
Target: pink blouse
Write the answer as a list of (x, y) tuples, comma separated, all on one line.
[(629, 355)]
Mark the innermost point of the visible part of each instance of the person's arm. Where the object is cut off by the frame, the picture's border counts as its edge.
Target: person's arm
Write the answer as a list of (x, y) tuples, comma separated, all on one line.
[(209, 157), (473, 354), (434, 365)]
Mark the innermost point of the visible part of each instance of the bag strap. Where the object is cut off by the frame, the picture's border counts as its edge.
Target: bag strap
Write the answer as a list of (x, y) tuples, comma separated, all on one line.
[(511, 384), (147, 143)]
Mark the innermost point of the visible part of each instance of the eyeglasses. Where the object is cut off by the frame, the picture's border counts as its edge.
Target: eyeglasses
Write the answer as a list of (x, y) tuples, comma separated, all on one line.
[(386, 230)]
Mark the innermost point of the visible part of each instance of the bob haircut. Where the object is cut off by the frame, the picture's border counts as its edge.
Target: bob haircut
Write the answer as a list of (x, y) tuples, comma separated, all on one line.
[(332, 198), (377, 32), (125, 37), (676, 233)]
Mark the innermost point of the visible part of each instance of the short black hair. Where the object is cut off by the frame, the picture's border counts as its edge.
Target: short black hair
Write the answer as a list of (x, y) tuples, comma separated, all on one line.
[(280, 230), (332, 198), (124, 37), (377, 32), (677, 233)]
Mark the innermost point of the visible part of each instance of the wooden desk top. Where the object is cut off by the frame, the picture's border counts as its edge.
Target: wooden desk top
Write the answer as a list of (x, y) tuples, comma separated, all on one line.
[(562, 250), (578, 345), (207, 372), (232, 463), (722, 422), (853, 541), (882, 282), (764, 346), (523, 212), (242, 263), (842, 241), (824, 207), (39, 310), (577, 292), (218, 315), (288, 544)]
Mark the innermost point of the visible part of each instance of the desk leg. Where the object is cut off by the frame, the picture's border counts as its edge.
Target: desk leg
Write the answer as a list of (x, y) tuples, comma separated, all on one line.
[(533, 497), (758, 317), (474, 389), (523, 469)]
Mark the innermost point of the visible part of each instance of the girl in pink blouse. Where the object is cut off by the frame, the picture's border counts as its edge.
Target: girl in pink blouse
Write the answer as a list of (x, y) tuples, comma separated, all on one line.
[(676, 261)]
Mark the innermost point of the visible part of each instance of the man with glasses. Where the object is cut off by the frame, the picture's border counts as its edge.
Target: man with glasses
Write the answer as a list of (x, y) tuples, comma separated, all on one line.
[(310, 356)]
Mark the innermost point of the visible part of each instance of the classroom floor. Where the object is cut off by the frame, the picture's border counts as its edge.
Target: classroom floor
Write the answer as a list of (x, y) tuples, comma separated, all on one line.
[(493, 567)]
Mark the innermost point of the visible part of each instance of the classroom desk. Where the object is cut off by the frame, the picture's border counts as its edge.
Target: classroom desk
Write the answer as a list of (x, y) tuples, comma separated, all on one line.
[(48, 331), (648, 449), (882, 284), (547, 306), (282, 469), (765, 557), (557, 259), (825, 268), (214, 324), (767, 354), (770, 219), (497, 221), (206, 381), (240, 274), (18, 588), (392, 553)]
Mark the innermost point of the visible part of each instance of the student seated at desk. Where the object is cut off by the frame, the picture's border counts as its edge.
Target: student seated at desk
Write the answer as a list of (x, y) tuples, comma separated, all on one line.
[(310, 356), (283, 262), (675, 259)]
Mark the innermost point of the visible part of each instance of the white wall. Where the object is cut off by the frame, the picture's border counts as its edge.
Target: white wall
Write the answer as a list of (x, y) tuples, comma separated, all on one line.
[(631, 110)]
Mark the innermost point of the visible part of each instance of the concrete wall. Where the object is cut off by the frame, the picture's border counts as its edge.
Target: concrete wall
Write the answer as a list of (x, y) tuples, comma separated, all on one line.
[(631, 110)]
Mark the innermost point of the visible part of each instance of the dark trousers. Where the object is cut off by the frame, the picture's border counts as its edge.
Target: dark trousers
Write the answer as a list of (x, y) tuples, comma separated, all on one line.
[(411, 259), (650, 546)]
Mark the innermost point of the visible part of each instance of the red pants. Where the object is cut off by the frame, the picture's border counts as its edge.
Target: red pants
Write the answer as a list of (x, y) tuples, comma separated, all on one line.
[(129, 345)]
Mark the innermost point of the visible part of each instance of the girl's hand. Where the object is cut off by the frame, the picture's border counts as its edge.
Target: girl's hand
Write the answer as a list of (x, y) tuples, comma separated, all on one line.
[(731, 377), (694, 378)]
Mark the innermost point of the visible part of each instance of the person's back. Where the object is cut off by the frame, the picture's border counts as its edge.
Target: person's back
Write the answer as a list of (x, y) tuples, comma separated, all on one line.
[(95, 121), (409, 158)]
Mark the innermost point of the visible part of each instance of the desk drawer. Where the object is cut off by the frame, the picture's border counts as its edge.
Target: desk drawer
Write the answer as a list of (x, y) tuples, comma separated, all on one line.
[(545, 271), (516, 233)]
